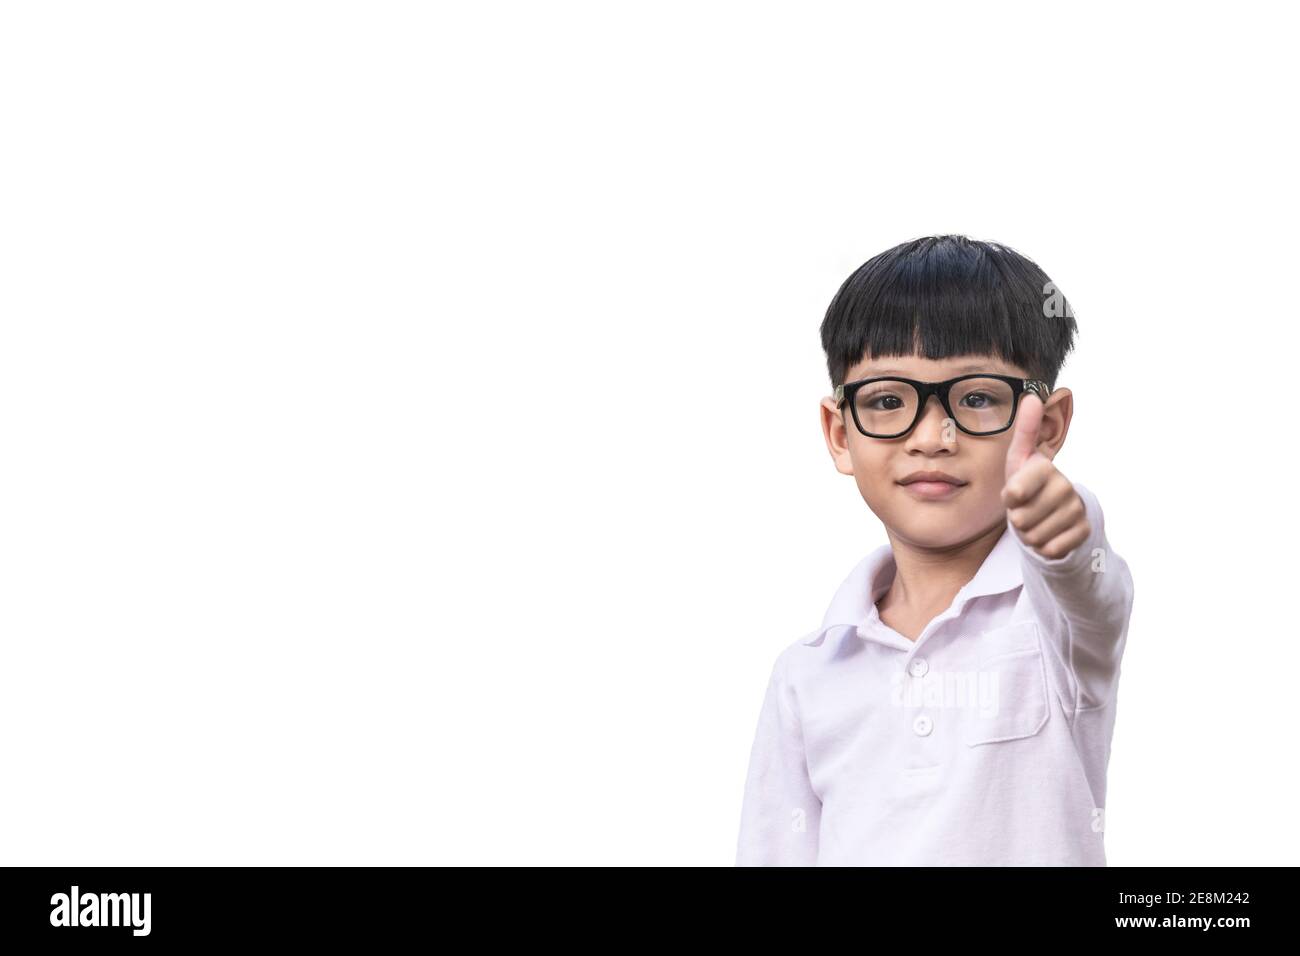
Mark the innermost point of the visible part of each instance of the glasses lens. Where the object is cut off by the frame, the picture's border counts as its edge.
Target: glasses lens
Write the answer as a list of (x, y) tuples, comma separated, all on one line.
[(886, 407), (982, 404)]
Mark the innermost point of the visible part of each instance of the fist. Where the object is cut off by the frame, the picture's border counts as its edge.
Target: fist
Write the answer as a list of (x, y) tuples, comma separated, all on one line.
[(1041, 503)]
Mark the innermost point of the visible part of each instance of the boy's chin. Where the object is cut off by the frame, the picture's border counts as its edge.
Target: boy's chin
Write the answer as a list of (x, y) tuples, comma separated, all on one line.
[(938, 531)]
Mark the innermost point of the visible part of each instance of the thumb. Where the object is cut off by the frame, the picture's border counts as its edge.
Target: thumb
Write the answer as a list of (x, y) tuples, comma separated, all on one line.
[(1024, 441)]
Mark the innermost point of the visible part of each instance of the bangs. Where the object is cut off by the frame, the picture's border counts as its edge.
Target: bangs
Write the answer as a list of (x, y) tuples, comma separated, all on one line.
[(947, 296)]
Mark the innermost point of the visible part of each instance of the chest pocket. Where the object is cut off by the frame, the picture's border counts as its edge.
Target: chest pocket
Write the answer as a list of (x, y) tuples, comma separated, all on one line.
[(1011, 687)]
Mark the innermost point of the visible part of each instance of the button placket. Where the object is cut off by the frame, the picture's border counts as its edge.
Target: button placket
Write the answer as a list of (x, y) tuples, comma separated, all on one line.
[(922, 724), (918, 667)]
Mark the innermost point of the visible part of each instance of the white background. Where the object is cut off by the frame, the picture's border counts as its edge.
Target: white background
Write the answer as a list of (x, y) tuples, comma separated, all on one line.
[(410, 448)]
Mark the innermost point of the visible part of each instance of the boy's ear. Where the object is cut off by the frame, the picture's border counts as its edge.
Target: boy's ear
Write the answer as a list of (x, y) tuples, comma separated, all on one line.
[(1057, 413), (836, 434)]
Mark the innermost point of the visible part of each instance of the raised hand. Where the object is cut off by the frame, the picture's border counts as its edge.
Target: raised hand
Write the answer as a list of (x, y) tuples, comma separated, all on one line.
[(1042, 505)]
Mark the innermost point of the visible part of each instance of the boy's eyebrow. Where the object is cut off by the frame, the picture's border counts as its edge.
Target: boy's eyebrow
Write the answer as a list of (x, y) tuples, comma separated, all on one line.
[(976, 367)]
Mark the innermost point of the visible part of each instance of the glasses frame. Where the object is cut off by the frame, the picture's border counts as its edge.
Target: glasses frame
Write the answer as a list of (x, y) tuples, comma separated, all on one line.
[(846, 392)]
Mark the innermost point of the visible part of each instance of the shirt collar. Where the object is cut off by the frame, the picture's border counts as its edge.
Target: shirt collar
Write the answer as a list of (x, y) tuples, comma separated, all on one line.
[(854, 604)]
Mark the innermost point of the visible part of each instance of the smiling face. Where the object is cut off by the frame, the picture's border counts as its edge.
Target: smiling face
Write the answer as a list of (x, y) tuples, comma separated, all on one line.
[(924, 514)]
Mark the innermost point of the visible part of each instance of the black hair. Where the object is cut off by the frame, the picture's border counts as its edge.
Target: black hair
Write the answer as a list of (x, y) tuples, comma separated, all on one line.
[(945, 296)]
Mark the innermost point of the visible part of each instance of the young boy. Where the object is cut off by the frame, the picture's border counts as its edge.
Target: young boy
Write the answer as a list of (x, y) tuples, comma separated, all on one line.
[(957, 703)]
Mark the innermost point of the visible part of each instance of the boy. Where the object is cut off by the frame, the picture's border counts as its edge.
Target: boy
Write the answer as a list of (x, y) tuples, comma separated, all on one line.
[(957, 703)]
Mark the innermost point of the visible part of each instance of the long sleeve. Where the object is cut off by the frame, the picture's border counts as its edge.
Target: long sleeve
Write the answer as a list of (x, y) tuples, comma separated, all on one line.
[(1085, 598), (781, 815)]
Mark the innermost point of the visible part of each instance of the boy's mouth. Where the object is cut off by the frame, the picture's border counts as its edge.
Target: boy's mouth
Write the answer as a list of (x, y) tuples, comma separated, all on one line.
[(932, 485)]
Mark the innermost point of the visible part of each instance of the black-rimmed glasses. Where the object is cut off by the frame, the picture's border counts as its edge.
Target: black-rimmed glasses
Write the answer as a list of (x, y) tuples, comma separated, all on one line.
[(888, 407)]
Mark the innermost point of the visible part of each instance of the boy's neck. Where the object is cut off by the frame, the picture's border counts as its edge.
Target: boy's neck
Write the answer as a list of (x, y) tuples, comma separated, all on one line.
[(927, 580)]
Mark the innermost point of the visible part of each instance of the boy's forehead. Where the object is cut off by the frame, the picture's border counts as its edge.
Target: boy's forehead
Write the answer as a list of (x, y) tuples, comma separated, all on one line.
[(915, 366)]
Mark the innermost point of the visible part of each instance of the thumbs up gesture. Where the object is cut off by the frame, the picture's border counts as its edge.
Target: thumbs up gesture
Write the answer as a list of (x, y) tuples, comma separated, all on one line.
[(1042, 505)]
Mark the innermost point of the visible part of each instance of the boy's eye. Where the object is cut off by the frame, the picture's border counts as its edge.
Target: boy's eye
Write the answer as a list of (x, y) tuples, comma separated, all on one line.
[(979, 400), (882, 402)]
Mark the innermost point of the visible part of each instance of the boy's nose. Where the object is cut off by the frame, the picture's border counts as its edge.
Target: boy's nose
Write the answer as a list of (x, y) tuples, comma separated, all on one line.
[(934, 424)]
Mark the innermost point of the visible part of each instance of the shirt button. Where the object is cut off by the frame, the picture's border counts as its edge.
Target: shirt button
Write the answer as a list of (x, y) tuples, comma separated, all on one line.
[(922, 725), (918, 667)]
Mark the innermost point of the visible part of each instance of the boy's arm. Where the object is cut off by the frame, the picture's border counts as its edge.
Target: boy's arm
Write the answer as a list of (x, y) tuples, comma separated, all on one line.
[(781, 815), (1088, 595), (1077, 585)]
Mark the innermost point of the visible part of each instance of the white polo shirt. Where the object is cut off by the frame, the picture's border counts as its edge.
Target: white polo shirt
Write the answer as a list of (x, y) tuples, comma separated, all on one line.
[(983, 743)]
